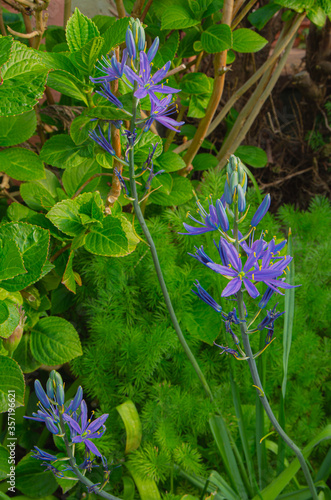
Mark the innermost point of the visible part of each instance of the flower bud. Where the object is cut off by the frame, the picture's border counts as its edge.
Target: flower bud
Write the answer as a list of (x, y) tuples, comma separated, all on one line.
[(261, 211), (77, 399), (130, 45), (51, 425), (241, 199), (153, 49), (60, 394), (12, 342), (221, 215), (50, 389), (41, 394), (236, 183)]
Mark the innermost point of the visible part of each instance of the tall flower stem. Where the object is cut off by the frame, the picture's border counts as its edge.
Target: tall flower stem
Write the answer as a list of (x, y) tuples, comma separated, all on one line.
[(157, 266), (258, 383), (79, 475)]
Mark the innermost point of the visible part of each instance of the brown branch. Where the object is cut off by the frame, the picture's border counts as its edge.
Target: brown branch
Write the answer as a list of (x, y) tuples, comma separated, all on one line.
[(66, 12), (32, 34), (136, 9), (120, 8), (145, 11), (88, 181), (176, 70), (115, 190), (219, 74), (2, 25), (60, 252), (242, 14), (280, 181)]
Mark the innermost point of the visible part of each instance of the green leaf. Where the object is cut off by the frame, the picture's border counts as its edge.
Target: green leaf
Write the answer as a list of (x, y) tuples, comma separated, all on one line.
[(129, 488), (32, 242), (17, 129), (170, 162), (132, 423), (105, 112), (115, 35), (103, 22), (41, 194), (177, 17), (69, 278), (80, 30), (23, 81), (168, 50), (252, 155), (11, 379), (144, 147), (23, 355), (114, 239), (55, 35), (181, 192), (273, 490), (6, 43), (65, 216), (198, 105), (216, 38), (9, 325), (204, 161), (196, 84), (91, 208), (67, 84), (245, 40), (61, 151), (317, 15), (59, 62), (147, 488), (80, 127), (11, 261), (297, 5), (54, 341), (22, 164), (222, 486), (4, 312), (87, 56), (5, 462), (74, 177), (261, 16), (230, 57), (32, 480)]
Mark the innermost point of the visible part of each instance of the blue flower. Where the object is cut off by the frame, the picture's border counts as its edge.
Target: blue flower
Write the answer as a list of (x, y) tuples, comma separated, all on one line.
[(211, 221), (87, 430), (131, 137), (153, 49), (130, 44), (228, 350), (43, 455), (268, 323), (102, 141), (113, 69), (160, 112), (201, 256), (122, 181), (251, 271), (208, 299), (147, 84), (109, 96)]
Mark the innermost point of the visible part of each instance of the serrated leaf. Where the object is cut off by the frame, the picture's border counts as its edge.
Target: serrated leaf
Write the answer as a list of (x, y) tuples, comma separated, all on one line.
[(317, 15), (65, 216), (115, 35), (11, 261), (145, 145), (80, 30), (261, 16), (9, 325), (196, 84), (103, 22), (22, 164), (216, 38), (105, 112), (55, 341), (245, 40), (23, 81), (41, 194), (74, 177), (198, 105), (32, 480), (23, 355), (170, 162), (61, 151), (178, 17), (4, 462), (87, 56), (68, 279), (59, 62), (114, 239), (55, 35), (67, 84), (91, 208), (32, 242), (181, 192), (252, 155), (17, 129), (6, 43), (168, 50), (80, 127), (204, 161), (11, 379), (4, 312)]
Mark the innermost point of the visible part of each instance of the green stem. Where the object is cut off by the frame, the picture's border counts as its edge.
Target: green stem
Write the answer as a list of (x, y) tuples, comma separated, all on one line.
[(157, 266), (80, 476), (257, 382)]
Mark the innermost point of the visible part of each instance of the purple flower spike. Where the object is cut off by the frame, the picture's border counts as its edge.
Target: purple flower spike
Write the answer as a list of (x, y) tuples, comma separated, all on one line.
[(51, 425), (153, 49), (43, 455), (212, 220), (201, 256), (204, 295), (228, 350), (268, 321), (261, 211), (241, 199), (113, 69), (77, 399), (221, 215), (102, 141), (109, 96), (147, 84)]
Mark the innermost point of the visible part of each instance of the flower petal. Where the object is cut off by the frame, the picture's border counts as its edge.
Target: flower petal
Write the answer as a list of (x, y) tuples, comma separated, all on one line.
[(232, 287)]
